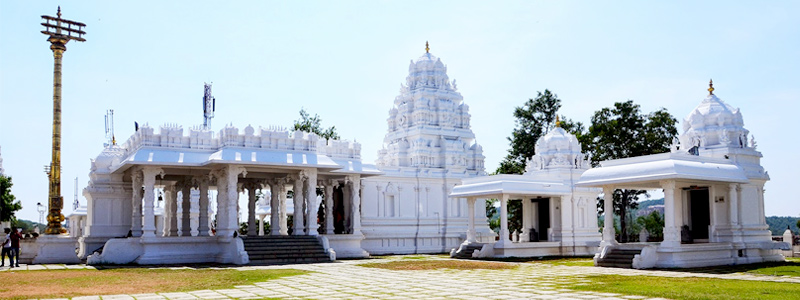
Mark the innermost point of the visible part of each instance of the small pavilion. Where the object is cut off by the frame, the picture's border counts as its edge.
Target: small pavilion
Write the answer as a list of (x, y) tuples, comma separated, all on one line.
[(126, 181), (713, 187), (558, 218)]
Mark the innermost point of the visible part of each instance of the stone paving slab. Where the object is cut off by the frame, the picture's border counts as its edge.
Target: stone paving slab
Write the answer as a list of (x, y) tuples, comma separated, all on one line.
[(347, 280)]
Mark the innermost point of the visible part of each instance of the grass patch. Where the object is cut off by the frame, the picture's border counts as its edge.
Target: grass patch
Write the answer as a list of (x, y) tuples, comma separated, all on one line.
[(689, 288), (578, 261), (73, 283), (418, 265), (791, 267)]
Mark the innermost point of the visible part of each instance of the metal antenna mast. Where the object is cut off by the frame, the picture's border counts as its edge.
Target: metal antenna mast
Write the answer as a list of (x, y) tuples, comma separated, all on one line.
[(209, 106), (110, 128), (60, 31)]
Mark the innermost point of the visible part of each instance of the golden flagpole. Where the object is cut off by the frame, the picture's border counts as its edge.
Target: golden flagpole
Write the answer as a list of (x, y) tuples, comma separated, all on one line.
[(60, 31)]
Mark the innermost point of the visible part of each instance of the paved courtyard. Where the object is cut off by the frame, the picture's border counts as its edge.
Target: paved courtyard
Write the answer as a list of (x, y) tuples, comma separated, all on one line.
[(347, 280)]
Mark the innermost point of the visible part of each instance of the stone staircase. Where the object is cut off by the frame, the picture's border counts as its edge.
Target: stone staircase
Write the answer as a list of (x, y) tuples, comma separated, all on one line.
[(619, 258), (466, 251), (285, 249)]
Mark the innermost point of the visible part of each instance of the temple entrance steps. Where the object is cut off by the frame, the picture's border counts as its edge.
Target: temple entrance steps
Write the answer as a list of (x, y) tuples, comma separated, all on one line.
[(284, 249), (619, 258), (465, 251)]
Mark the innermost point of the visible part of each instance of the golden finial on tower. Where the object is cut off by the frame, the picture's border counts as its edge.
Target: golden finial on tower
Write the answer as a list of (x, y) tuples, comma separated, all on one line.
[(427, 49), (710, 86), (558, 121)]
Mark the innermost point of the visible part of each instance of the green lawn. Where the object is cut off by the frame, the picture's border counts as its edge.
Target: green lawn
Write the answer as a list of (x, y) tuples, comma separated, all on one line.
[(73, 283), (689, 288), (416, 265), (549, 260)]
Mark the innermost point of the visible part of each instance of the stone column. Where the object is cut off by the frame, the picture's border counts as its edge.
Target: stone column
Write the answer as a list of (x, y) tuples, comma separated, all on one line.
[(171, 210), (251, 207), (149, 177), (277, 206), (274, 207), (526, 220), (609, 235), (355, 203), (504, 220), (330, 185), (471, 234), (202, 220), (233, 197), (284, 220), (260, 226), (222, 198), (733, 196), (186, 209), (311, 199), (136, 215), (672, 214), (298, 220)]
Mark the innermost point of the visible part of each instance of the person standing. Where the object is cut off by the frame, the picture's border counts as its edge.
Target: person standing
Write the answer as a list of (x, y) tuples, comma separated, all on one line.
[(15, 237), (6, 248)]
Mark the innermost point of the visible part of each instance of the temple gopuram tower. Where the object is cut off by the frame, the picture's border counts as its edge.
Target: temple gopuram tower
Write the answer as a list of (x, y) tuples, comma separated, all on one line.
[(428, 149)]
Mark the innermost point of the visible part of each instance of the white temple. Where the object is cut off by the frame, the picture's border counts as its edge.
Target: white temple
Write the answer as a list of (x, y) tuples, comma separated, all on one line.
[(713, 187), (428, 149), (558, 218), (125, 179)]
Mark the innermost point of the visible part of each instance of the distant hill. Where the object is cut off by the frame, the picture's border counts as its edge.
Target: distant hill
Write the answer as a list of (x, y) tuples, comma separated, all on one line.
[(778, 224), (646, 203)]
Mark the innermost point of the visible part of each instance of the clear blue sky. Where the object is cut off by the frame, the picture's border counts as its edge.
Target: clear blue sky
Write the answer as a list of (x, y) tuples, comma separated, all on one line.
[(345, 60)]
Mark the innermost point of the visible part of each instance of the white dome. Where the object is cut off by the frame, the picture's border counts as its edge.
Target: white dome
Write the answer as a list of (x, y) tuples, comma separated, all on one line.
[(712, 124), (557, 149)]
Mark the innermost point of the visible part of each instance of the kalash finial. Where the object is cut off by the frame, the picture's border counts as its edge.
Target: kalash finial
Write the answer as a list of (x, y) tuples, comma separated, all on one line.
[(59, 12), (558, 121), (427, 49), (710, 87)]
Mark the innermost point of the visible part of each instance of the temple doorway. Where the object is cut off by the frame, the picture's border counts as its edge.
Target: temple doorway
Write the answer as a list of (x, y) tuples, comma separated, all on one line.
[(338, 211), (542, 208), (700, 214)]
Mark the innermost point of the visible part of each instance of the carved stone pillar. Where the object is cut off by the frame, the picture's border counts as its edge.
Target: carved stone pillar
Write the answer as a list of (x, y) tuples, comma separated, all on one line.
[(277, 189), (504, 220), (171, 210), (311, 198), (608, 219), (298, 221), (330, 185), (233, 197), (355, 203), (672, 214), (525, 236), (149, 177), (221, 180), (251, 207), (186, 209), (137, 180), (202, 220), (471, 234)]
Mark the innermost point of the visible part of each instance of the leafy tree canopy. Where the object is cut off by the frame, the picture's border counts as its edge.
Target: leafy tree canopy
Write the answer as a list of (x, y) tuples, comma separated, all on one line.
[(624, 131), (307, 123), (534, 119), (8, 203)]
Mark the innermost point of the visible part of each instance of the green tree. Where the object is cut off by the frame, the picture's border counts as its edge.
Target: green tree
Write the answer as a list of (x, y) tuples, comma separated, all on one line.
[(307, 123), (623, 131), (534, 119), (654, 223), (8, 205)]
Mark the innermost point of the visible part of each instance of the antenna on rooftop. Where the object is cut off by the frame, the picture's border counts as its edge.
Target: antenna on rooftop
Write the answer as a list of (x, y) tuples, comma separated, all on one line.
[(209, 106), (110, 128)]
